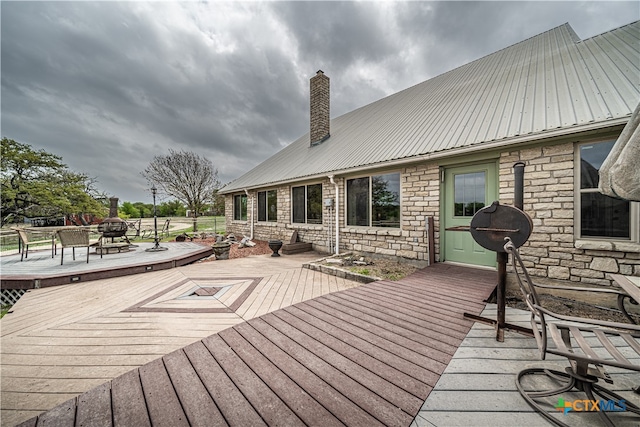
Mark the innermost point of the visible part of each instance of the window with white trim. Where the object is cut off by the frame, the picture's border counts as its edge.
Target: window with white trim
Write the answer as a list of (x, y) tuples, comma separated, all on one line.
[(240, 207), (268, 206), (306, 204), (600, 216), (374, 201)]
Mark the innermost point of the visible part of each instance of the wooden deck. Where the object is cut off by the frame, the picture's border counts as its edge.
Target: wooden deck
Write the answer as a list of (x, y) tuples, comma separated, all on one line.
[(62, 341), (40, 270), (478, 387), (369, 355)]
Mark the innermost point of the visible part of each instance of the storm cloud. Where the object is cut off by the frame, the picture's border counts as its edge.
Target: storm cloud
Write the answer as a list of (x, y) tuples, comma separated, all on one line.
[(109, 85)]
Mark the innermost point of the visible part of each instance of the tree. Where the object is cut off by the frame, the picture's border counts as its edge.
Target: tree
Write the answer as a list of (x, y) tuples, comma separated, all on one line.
[(218, 205), (37, 184), (145, 209), (127, 210), (172, 208), (188, 177)]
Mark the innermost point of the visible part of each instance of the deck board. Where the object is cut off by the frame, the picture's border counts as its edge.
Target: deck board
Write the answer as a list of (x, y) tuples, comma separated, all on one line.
[(94, 407), (361, 396), (327, 396), (425, 342), (198, 405), (372, 345), (270, 407), (388, 398), (341, 344), (63, 415), (405, 314), (162, 402), (418, 353), (232, 403), (368, 355), (129, 407), (294, 396)]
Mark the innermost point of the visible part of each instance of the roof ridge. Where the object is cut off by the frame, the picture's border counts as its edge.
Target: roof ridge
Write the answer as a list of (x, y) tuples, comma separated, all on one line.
[(609, 31)]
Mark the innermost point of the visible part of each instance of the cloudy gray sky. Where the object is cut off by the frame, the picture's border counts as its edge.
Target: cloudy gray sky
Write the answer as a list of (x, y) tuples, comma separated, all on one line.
[(109, 85)]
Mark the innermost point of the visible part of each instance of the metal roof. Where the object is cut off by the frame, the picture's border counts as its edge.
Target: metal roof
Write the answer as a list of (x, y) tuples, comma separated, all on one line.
[(550, 84)]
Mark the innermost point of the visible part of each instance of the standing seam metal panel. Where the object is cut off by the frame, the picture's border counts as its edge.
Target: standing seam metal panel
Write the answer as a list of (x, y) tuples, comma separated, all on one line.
[(552, 80)]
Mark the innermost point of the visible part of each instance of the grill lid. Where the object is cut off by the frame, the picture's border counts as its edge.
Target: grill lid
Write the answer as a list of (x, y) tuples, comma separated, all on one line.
[(491, 224)]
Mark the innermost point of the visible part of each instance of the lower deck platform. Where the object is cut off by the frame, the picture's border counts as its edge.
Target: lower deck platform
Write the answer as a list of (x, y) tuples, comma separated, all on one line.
[(40, 270)]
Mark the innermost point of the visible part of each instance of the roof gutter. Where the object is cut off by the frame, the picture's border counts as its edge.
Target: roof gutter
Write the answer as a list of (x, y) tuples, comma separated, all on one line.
[(247, 193), (337, 223)]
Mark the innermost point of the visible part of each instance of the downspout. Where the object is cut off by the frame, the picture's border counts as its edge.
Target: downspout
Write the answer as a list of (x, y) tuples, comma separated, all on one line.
[(247, 193), (337, 220)]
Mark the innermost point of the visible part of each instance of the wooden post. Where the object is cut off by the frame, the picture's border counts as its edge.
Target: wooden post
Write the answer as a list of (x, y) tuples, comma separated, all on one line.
[(431, 240)]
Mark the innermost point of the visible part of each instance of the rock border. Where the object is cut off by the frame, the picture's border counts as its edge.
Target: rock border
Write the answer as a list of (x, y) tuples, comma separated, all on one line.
[(338, 272)]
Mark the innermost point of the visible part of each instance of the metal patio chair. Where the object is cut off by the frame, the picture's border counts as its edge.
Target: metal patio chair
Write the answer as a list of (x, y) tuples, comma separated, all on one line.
[(570, 337), (133, 229), (165, 228), (148, 233)]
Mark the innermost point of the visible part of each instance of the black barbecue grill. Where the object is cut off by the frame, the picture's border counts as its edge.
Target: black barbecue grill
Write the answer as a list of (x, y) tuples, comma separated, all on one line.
[(489, 227), (492, 224)]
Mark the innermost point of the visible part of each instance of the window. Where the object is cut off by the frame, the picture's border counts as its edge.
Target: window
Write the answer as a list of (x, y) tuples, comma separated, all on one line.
[(469, 193), (600, 215), (268, 206), (307, 204), (374, 201), (240, 207)]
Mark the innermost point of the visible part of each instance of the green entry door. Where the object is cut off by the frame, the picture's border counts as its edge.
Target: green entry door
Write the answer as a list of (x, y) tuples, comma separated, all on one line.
[(467, 189)]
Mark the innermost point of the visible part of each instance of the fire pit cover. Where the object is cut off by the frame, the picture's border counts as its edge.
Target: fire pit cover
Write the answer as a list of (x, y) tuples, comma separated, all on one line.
[(491, 224)]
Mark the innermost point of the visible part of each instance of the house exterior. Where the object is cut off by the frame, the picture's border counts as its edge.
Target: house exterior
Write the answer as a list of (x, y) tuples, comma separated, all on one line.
[(373, 179)]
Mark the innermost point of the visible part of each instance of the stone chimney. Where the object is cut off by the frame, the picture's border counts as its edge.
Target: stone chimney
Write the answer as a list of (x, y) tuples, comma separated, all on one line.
[(319, 101)]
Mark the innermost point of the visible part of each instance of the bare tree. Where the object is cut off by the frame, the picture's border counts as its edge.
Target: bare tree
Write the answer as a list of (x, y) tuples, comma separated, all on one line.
[(188, 177)]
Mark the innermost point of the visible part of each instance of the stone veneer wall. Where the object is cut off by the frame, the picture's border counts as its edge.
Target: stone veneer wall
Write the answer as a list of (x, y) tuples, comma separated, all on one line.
[(283, 228), (551, 252), (420, 191)]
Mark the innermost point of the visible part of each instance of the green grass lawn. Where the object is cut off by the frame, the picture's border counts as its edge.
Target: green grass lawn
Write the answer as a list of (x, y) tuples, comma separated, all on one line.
[(4, 310), (205, 224)]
